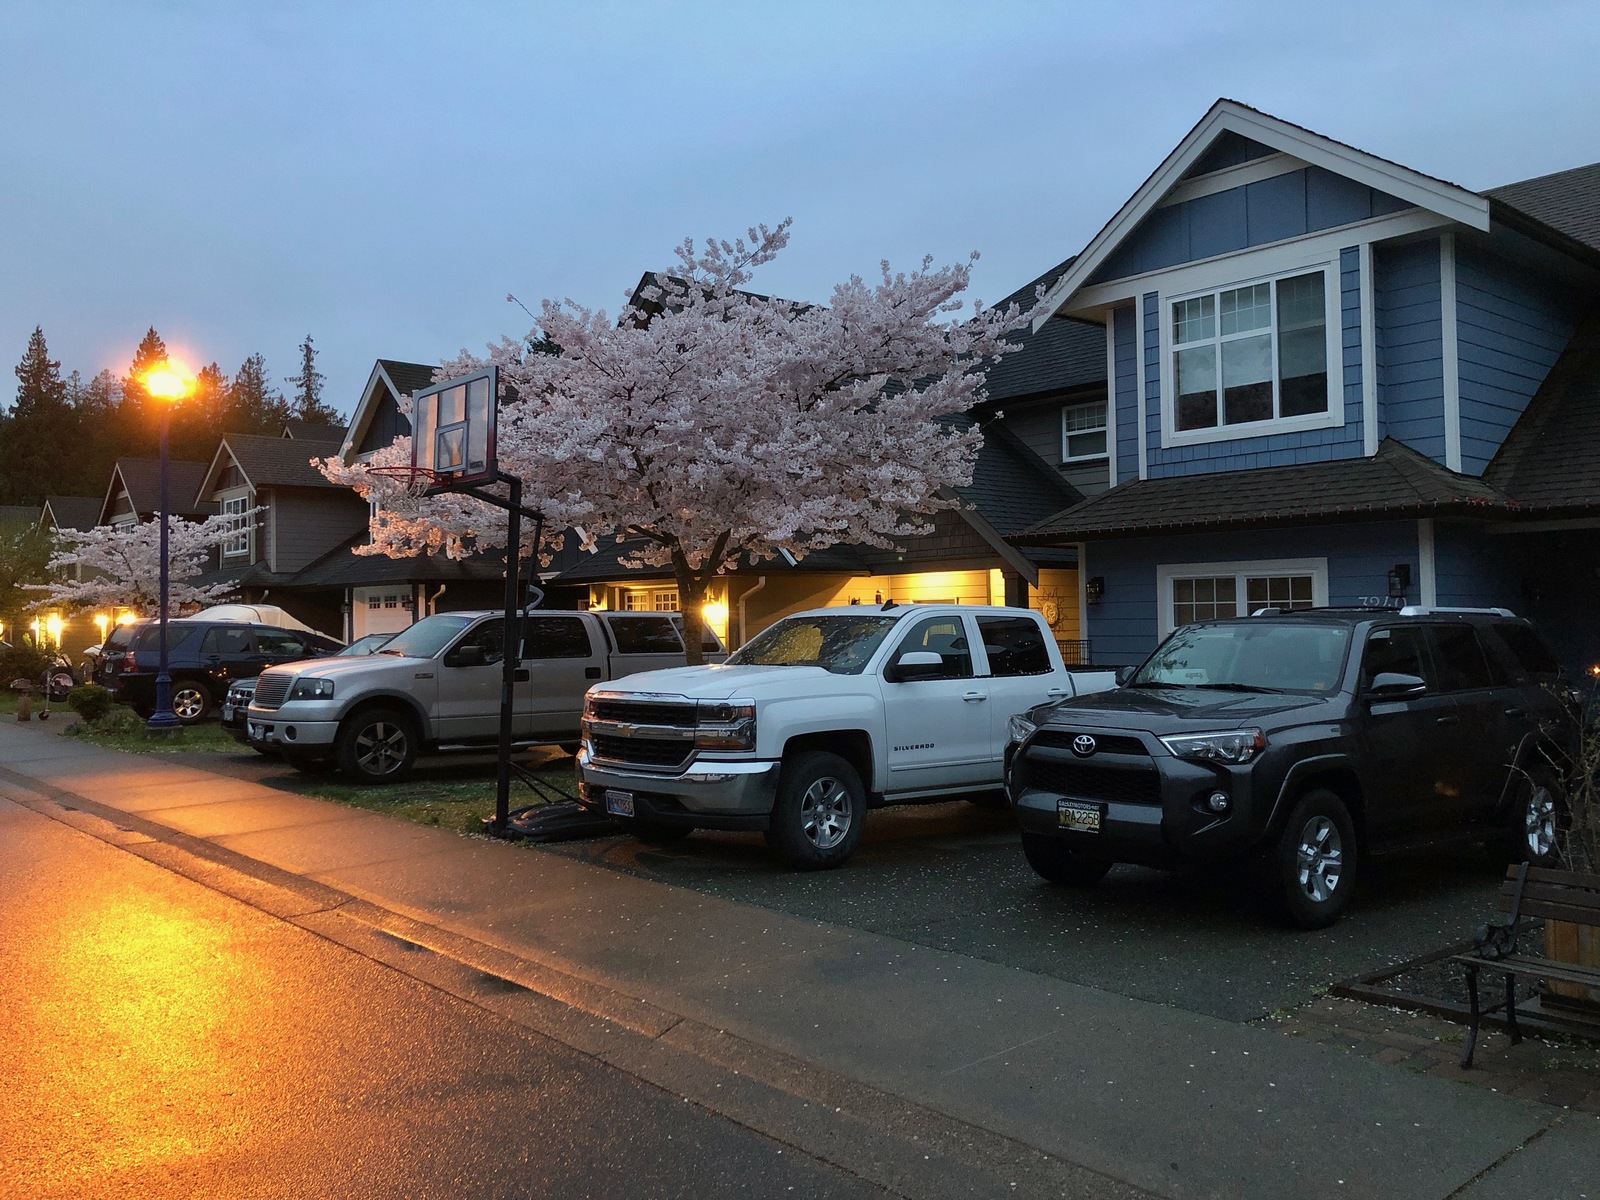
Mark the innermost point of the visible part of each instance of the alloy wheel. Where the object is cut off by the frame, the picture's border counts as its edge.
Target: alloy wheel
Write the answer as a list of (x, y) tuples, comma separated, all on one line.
[(1320, 859), (188, 704), (825, 812), (1539, 822), (380, 748)]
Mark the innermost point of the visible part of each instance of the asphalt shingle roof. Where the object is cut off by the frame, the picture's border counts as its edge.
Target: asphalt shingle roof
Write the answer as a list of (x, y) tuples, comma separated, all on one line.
[(1397, 481), (1012, 487), (1550, 459), (74, 512), (409, 377), (342, 567), (1566, 201), (1064, 354), (280, 462), (308, 431), (142, 478)]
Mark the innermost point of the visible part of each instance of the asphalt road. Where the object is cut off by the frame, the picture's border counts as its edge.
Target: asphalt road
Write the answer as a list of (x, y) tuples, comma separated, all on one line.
[(162, 1040), (951, 876)]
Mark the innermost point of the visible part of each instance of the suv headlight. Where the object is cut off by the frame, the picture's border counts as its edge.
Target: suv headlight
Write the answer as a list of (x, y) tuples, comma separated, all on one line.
[(1233, 746), (725, 725), (312, 689), (1020, 729)]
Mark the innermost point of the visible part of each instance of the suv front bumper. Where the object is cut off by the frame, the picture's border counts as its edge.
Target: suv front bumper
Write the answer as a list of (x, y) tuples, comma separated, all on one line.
[(706, 795)]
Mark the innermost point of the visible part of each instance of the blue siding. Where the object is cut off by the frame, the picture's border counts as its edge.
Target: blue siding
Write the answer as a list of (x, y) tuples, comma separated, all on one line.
[(1254, 214), (1124, 351), (1510, 329), (1410, 345), (1123, 626), (1152, 374), (1350, 340), (1473, 569)]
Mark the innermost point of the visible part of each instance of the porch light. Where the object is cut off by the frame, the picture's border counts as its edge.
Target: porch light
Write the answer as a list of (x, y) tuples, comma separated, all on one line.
[(53, 626), (1095, 589), (714, 613), (102, 623)]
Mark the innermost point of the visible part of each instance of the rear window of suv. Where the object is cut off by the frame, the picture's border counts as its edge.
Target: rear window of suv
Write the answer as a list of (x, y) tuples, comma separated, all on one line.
[(1528, 648)]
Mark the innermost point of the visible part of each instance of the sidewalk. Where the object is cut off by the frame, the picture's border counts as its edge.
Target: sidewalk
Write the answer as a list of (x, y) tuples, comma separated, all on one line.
[(1173, 1102)]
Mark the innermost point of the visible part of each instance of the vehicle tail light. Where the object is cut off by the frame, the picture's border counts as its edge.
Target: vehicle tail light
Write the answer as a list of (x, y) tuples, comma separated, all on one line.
[(127, 662)]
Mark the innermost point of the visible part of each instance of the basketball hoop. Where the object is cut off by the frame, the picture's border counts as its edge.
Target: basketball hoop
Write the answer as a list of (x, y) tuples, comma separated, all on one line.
[(416, 480)]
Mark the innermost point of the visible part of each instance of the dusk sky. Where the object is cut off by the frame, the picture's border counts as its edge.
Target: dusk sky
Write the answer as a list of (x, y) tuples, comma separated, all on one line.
[(381, 175)]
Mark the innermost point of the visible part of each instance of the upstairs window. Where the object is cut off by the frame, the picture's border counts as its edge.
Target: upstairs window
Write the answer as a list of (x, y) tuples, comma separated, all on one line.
[(1083, 431), (1251, 354), (239, 537)]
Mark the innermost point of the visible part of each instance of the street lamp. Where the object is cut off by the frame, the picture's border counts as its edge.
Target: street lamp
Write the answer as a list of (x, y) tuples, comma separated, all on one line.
[(165, 383)]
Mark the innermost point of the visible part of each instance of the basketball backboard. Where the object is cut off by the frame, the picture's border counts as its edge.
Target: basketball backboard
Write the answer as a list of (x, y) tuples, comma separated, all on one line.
[(453, 430)]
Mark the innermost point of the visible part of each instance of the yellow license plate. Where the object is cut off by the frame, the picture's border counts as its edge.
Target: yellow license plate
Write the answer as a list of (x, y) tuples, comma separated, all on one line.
[(1079, 816)]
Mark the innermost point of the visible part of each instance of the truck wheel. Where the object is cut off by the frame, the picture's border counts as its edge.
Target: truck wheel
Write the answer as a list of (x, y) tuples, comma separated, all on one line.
[(819, 811), (377, 746), (1053, 860), (1314, 863), (191, 701)]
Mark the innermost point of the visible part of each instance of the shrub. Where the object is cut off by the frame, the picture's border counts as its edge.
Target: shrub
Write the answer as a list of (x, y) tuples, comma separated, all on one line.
[(1580, 835), (23, 662), (91, 701)]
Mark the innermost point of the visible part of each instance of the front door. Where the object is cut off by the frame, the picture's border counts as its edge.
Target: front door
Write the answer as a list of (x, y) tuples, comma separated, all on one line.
[(561, 662), (939, 729), (469, 696)]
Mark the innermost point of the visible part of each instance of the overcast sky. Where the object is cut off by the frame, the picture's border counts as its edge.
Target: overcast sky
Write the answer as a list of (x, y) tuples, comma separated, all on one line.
[(381, 175)]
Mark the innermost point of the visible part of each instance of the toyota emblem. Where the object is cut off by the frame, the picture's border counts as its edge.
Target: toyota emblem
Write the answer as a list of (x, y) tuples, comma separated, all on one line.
[(1083, 745)]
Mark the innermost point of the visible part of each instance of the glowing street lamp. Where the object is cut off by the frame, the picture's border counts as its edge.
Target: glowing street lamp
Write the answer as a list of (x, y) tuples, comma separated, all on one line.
[(167, 383)]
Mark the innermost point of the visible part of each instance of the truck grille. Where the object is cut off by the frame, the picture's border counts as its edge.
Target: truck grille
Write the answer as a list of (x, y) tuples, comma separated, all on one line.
[(648, 752), (642, 712), (1104, 743), (271, 689), (1085, 782)]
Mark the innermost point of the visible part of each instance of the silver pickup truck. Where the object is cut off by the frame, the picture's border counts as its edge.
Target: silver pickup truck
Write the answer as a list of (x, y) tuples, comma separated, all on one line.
[(436, 687)]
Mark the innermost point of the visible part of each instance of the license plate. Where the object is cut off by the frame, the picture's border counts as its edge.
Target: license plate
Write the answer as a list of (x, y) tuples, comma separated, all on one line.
[(1079, 816), (619, 803), (227, 712)]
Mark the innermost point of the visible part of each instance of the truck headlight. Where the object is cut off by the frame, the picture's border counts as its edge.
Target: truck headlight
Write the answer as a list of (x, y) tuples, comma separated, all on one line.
[(725, 725), (312, 689), (1231, 746), (1020, 729)]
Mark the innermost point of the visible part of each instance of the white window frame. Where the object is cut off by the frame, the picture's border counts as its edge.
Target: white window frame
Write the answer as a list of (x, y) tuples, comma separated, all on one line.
[(242, 533), (1317, 568), (1066, 434), (1333, 418)]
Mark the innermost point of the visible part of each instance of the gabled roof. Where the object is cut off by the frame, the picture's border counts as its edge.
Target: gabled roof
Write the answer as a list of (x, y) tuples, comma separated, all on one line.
[(1448, 200), (269, 462), (141, 479), (18, 516), (310, 431), (1566, 201), (398, 378), (1394, 482), (1060, 356), (70, 512), (1550, 460), (342, 567)]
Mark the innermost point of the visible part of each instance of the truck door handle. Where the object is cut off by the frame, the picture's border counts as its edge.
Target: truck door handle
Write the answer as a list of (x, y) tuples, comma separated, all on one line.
[(969, 697), (1057, 693), (520, 675), (1447, 720), (1516, 712), (591, 672)]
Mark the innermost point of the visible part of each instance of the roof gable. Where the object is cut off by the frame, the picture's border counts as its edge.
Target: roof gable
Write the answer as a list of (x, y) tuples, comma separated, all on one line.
[(391, 378), (1251, 129)]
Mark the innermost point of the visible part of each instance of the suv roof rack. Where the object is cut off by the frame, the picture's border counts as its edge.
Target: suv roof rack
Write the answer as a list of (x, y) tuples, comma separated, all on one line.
[(1409, 610), (1432, 610)]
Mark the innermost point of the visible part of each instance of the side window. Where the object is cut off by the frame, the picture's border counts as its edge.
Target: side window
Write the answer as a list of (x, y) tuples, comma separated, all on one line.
[(944, 636), (1397, 651), (1462, 663), (1528, 649), (491, 635), (282, 643), (225, 642), (645, 635), (555, 637), (1014, 646), (177, 637)]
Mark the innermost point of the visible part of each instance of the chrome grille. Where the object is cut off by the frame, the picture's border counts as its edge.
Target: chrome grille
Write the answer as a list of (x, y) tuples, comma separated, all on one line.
[(271, 688)]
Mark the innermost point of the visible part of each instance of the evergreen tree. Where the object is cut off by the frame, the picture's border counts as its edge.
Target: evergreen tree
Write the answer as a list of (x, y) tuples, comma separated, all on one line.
[(36, 455), (253, 407), (137, 418), (308, 405), (99, 432)]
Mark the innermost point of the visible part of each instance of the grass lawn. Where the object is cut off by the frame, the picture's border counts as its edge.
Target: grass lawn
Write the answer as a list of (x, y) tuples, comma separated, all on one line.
[(123, 729), (449, 802)]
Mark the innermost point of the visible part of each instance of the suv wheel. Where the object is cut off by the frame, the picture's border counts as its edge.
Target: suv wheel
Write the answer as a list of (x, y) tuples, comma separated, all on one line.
[(1314, 863), (1053, 860), (1535, 820), (819, 811), (191, 701), (377, 746)]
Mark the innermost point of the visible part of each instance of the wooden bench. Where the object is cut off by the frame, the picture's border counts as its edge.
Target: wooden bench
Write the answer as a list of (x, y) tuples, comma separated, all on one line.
[(1529, 892)]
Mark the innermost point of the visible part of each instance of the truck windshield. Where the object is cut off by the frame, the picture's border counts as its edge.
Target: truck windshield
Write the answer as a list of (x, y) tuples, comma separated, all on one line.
[(842, 644), (1253, 658), (427, 637)]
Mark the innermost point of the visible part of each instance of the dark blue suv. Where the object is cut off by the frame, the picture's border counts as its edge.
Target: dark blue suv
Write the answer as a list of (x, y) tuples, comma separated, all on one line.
[(203, 658)]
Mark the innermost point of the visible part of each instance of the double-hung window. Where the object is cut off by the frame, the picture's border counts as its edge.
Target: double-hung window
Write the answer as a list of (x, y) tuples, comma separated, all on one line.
[(238, 525), (1083, 431), (1191, 592), (1250, 354)]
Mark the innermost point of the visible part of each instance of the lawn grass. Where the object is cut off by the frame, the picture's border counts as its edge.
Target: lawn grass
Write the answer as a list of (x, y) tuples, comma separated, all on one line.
[(448, 802), (123, 729)]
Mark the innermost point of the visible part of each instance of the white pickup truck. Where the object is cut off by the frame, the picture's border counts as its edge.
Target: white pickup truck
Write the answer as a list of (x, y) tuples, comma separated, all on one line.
[(436, 686), (819, 717)]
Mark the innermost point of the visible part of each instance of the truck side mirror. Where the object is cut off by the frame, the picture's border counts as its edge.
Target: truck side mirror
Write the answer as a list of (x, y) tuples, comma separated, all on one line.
[(466, 656), (915, 664), (1394, 685)]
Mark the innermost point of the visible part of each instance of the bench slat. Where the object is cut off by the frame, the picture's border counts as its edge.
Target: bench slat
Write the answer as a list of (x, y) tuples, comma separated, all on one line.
[(1560, 912), (1543, 968), (1546, 875)]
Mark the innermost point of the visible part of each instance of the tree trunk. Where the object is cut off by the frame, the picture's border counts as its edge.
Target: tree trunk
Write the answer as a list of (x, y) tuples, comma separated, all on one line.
[(692, 600)]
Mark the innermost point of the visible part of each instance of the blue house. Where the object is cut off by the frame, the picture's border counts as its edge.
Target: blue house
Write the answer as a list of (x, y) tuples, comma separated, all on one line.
[(1337, 380)]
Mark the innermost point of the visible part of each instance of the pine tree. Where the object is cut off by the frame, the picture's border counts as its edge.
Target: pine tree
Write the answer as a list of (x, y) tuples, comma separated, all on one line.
[(253, 407), (100, 432), (37, 453), (137, 417), (308, 405)]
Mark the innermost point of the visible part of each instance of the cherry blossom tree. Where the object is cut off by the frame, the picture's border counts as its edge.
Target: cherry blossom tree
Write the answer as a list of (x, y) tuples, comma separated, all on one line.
[(709, 425), (120, 566)]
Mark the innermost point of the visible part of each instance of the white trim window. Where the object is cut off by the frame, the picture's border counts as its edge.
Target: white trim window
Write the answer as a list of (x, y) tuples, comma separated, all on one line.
[(1253, 358), (1190, 592), (1083, 431), (234, 507)]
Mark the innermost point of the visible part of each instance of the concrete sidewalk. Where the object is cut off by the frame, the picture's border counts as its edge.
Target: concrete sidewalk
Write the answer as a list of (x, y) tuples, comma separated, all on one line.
[(1172, 1102)]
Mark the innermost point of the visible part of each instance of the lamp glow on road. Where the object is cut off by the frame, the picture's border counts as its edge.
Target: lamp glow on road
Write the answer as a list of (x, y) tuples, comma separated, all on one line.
[(167, 382)]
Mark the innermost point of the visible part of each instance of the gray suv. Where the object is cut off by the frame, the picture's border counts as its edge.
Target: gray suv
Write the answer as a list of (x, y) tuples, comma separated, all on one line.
[(1302, 741)]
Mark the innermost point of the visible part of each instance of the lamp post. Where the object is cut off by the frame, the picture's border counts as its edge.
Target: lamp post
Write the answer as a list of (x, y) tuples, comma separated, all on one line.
[(162, 382)]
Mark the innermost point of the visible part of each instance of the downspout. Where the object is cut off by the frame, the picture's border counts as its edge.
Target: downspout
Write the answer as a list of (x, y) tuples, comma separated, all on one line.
[(760, 583), (433, 601)]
